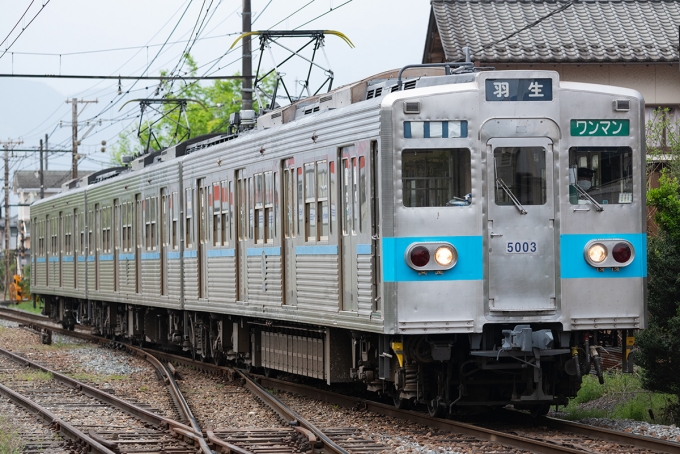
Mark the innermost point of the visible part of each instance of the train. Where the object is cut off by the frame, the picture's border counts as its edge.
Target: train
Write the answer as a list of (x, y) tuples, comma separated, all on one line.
[(443, 235)]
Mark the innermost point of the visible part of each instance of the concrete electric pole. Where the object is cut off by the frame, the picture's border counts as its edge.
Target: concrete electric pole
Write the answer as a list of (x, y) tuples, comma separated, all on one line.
[(74, 133), (7, 145), (247, 84)]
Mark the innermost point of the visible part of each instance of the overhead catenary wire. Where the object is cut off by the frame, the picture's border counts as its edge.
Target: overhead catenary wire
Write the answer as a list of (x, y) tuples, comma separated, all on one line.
[(18, 22), (25, 28)]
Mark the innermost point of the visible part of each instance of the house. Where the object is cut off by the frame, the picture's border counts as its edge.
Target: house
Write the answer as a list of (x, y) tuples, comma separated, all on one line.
[(628, 43)]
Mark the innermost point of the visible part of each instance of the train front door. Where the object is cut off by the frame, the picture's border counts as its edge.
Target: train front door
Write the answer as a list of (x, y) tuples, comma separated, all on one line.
[(521, 230)]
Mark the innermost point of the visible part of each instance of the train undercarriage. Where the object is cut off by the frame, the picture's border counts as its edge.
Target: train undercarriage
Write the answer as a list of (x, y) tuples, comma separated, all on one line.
[(530, 367)]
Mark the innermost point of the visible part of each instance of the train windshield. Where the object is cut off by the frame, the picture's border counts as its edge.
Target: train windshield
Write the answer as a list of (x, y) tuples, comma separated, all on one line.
[(604, 173), (436, 177), (522, 170)]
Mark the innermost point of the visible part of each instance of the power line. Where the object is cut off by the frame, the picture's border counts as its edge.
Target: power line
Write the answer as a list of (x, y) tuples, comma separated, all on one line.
[(25, 28), (19, 21), (136, 78)]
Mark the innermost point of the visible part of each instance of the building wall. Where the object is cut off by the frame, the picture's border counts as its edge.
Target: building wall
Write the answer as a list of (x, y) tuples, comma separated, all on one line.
[(659, 83)]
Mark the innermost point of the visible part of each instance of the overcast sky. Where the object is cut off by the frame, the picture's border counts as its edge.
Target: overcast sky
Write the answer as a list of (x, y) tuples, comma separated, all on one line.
[(72, 36)]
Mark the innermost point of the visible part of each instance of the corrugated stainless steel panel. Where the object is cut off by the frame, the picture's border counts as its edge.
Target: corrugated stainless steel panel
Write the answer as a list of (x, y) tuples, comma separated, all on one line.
[(190, 280), (294, 354), (174, 280), (365, 284), (151, 278), (106, 276), (265, 285), (222, 279), (126, 276), (318, 282)]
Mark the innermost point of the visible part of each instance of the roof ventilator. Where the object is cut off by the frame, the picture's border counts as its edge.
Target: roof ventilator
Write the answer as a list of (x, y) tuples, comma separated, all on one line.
[(450, 67)]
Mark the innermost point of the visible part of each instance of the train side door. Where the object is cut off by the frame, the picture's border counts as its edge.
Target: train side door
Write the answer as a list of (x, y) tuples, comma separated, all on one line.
[(242, 223), (139, 209), (97, 242), (355, 229), (289, 213), (163, 241), (201, 230), (115, 235), (521, 231)]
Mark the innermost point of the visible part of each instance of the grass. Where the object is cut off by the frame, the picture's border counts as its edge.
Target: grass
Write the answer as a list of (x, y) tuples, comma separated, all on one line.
[(93, 378), (10, 442), (28, 307), (629, 400), (36, 375)]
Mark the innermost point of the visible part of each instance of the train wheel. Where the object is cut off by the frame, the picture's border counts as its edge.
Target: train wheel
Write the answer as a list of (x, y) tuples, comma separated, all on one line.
[(434, 409), (269, 373), (540, 410), (401, 404)]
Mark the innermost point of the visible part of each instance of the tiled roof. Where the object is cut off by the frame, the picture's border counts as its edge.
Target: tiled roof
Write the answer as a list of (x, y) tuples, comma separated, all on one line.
[(576, 31), (30, 179)]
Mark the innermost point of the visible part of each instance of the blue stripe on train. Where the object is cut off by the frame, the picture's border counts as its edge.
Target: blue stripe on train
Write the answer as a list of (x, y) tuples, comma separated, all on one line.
[(468, 268), (574, 266)]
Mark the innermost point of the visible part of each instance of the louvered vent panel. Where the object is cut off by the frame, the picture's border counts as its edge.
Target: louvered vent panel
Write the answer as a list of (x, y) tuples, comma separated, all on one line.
[(326, 98), (394, 88), (276, 115), (316, 109), (378, 92), (410, 85), (369, 95), (412, 107)]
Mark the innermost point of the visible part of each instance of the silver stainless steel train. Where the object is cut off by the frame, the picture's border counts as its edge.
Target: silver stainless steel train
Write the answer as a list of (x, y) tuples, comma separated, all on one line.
[(444, 235)]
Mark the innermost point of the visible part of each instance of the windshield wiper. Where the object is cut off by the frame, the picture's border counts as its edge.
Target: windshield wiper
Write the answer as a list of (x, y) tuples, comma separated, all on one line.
[(506, 189), (583, 192)]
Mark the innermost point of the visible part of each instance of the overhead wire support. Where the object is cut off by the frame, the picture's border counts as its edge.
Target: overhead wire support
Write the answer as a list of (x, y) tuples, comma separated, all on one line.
[(7, 230), (316, 37)]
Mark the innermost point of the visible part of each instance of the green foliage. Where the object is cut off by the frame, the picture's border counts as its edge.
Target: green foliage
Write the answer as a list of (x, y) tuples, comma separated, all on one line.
[(10, 441), (28, 307), (210, 114), (623, 397)]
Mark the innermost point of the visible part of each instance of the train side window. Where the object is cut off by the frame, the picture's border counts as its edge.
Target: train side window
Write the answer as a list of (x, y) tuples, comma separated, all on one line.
[(310, 202), (436, 177), (322, 200), (81, 222), (90, 232), (356, 221), (226, 209), (251, 213), (214, 202), (188, 217), (346, 182), (275, 193), (259, 208), (269, 226), (604, 173), (363, 203), (300, 203)]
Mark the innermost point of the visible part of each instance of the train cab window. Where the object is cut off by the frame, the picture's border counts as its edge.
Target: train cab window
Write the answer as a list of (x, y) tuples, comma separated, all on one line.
[(436, 177), (604, 174), (520, 173)]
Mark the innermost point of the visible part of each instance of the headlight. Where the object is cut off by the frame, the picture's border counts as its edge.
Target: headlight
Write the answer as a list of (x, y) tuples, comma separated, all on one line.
[(597, 253), (443, 256)]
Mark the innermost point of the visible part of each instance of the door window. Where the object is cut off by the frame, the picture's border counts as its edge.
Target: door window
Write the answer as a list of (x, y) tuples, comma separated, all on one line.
[(522, 170)]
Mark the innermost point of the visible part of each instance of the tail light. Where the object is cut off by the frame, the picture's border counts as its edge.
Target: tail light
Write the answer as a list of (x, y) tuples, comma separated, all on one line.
[(435, 256), (609, 253), (622, 252)]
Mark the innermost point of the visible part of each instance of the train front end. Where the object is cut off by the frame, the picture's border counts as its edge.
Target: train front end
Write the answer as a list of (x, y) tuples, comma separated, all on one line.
[(513, 236)]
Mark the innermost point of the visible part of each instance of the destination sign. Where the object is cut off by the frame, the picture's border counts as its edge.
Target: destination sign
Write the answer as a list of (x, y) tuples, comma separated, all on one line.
[(519, 90), (600, 128)]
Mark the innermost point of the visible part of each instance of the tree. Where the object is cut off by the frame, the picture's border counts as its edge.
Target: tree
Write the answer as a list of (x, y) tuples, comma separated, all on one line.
[(659, 344), (217, 101)]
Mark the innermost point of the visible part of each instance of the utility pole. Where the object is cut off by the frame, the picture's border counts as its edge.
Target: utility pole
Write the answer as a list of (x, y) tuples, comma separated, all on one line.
[(247, 65), (46, 154), (42, 173), (7, 144), (74, 133)]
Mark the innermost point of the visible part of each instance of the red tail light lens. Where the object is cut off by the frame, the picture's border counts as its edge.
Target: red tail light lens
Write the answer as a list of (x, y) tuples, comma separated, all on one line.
[(622, 252), (420, 256)]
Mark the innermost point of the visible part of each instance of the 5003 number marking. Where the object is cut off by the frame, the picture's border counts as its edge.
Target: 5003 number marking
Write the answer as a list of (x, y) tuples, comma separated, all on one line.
[(521, 247)]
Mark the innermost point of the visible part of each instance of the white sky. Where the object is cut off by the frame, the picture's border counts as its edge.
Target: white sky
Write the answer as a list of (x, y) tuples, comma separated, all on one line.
[(387, 34)]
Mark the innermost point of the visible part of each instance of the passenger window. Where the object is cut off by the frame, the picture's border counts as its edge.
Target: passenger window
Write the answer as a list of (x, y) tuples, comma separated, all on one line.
[(522, 171), (436, 178), (322, 200), (188, 238), (310, 202), (215, 207), (174, 209), (603, 173)]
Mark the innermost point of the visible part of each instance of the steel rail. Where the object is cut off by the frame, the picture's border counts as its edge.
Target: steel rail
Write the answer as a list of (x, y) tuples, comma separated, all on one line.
[(288, 414), (55, 422), (443, 424)]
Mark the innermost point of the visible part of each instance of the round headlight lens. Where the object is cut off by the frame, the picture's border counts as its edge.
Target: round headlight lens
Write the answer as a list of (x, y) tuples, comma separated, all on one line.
[(443, 256), (622, 252), (597, 253), (420, 256)]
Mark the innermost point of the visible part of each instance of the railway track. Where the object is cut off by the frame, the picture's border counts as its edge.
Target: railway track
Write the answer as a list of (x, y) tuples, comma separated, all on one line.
[(558, 437)]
